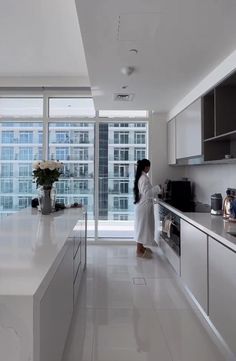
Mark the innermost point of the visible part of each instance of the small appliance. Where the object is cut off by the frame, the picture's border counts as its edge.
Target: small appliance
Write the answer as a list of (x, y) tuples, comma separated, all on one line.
[(178, 193), (230, 196), (216, 204)]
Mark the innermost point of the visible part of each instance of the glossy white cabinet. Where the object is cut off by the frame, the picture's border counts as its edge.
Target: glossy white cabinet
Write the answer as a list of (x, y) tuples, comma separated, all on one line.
[(222, 291), (194, 262), (56, 308), (42, 261), (189, 131), (171, 142)]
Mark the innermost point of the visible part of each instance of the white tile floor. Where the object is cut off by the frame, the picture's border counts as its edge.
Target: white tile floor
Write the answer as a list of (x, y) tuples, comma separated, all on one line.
[(132, 309)]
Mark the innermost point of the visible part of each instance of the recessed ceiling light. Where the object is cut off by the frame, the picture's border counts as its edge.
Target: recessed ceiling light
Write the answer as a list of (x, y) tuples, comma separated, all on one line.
[(134, 51)]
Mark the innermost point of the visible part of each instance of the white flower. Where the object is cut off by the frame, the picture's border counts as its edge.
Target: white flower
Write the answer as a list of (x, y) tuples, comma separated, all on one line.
[(36, 165)]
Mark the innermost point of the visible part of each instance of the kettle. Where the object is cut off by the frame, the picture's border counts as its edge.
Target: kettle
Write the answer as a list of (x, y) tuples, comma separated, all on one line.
[(230, 197), (216, 204)]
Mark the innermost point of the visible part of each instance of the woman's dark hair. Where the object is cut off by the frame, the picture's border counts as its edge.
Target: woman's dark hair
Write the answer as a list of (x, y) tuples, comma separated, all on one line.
[(141, 165)]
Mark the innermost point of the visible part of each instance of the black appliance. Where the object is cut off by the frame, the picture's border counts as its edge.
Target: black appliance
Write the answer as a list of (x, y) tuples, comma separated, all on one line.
[(216, 204), (179, 194), (170, 228)]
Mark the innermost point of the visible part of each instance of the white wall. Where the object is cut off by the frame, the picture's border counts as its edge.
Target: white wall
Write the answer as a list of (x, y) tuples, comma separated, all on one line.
[(160, 170), (210, 179)]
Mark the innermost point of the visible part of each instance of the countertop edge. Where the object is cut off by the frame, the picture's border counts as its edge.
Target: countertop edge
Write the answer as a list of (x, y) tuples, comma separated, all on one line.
[(223, 237)]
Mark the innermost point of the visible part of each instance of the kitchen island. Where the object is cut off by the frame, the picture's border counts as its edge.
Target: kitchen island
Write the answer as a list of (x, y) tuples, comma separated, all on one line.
[(41, 263)]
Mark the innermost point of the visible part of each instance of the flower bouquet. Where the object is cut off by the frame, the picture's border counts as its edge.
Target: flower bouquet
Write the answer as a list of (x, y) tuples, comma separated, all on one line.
[(46, 173)]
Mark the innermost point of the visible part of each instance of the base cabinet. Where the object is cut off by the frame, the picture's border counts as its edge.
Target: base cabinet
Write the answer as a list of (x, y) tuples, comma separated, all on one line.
[(222, 291), (194, 262), (55, 307)]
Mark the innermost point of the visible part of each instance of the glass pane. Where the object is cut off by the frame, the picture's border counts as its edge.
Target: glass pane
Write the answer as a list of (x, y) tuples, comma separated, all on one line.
[(73, 144), (71, 107), (123, 113), (20, 145), (118, 154), (21, 107)]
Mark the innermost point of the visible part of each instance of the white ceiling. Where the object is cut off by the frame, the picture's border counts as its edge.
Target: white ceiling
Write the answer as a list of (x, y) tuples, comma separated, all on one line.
[(41, 39), (178, 41)]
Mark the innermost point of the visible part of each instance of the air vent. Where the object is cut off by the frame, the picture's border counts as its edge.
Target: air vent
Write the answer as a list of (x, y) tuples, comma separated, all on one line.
[(123, 97)]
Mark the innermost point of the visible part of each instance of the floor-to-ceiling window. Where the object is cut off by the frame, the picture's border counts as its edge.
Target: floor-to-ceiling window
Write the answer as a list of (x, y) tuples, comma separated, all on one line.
[(99, 156), (21, 129), (121, 144)]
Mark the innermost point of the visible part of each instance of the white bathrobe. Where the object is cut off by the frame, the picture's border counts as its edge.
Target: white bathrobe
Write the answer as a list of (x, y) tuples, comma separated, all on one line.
[(144, 215)]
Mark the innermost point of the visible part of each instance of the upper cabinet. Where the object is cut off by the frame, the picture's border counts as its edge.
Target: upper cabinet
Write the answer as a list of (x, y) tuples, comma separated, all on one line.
[(189, 132), (171, 142), (219, 119), (206, 130)]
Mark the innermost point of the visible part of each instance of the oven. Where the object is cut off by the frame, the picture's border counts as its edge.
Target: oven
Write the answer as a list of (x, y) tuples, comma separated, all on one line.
[(169, 236)]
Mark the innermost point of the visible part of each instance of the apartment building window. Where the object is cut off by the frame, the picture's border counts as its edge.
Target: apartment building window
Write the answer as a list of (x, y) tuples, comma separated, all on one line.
[(62, 153), (121, 125), (139, 138), (83, 170), (121, 137), (121, 154), (25, 186), (62, 137), (120, 217), (120, 203), (139, 153), (26, 153), (121, 170), (25, 170), (140, 125), (121, 187), (80, 154), (6, 202), (82, 200), (26, 137), (84, 137), (83, 186), (7, 136), (24, 202), (6, 170), (7, 153), (6, 186)]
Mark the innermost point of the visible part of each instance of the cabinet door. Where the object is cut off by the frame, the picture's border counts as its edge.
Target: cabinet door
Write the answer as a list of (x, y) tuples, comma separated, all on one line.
[(171, 141), (194, 262), (56, 309), (189, 131), (222, 291)]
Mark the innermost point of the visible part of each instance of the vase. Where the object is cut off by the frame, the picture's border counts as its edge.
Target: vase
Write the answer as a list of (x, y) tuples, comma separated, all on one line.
[(47, 198)]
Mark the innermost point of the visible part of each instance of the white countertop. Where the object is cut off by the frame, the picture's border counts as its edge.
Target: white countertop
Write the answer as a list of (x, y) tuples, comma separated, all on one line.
[(215, 226), (30, 245)]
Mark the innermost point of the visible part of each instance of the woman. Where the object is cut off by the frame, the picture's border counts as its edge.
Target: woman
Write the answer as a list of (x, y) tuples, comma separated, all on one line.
[(144, 215)]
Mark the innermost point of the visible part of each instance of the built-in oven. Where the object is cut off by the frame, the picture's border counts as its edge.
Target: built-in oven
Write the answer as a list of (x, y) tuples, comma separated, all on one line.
[(169, 236)]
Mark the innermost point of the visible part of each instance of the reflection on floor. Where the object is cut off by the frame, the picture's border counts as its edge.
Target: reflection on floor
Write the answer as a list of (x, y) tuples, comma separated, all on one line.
[(132, 309)]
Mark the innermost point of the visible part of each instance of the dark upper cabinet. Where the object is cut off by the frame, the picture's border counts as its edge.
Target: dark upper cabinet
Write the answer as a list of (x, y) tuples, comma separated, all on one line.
[(219, 121)]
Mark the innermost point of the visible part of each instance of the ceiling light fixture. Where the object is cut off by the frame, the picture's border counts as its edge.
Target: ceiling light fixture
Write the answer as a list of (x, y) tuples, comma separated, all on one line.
[(134, 51), (127, 70)]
